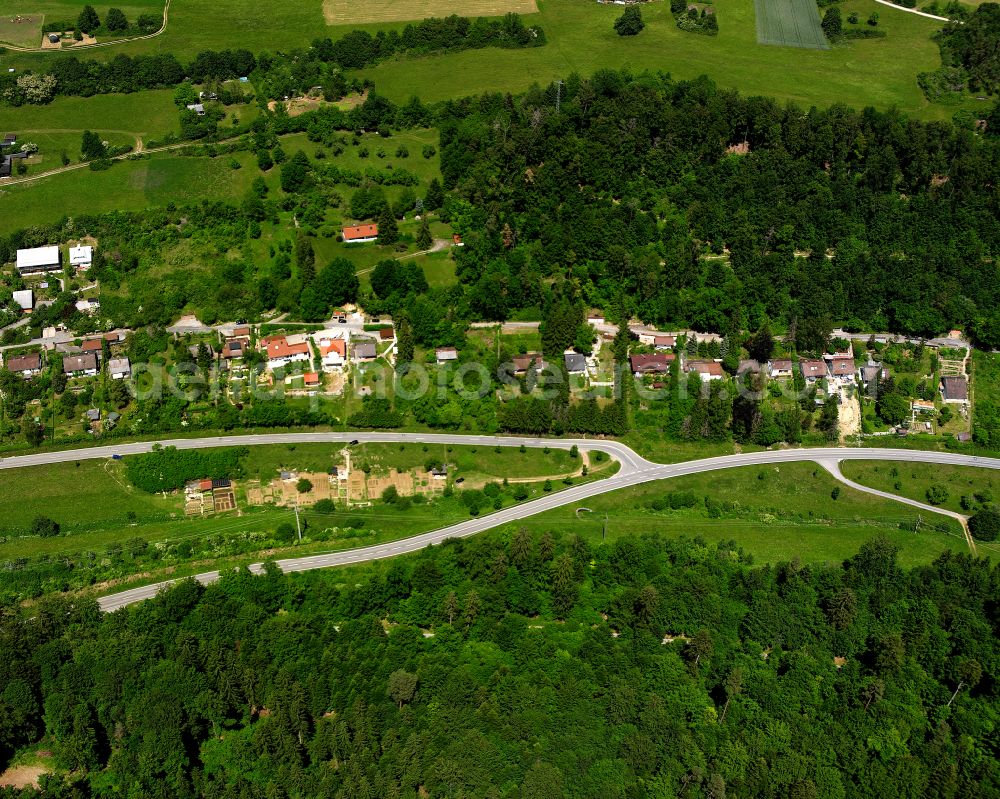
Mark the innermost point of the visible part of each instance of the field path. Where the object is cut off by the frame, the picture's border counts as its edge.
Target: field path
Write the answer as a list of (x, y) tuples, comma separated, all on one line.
[(163, 27), (913, 11)]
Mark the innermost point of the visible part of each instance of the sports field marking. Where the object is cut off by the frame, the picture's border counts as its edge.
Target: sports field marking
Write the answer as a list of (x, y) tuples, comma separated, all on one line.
[(791, 23), (350, 12)]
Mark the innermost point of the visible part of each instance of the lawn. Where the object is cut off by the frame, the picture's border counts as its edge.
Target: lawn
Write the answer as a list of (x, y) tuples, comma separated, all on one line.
[(581, 38), (775, 513), (912, 480)]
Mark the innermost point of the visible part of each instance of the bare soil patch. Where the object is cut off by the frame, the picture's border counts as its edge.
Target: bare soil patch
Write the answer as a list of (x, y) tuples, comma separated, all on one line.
[(347, 12), (22, 776)]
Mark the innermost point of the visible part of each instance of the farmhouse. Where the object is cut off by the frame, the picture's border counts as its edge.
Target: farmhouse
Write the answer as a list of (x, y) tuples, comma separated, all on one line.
[(25, 365), (25, 299), (664, 342), (780, 367), (708, 370), (575, 363), (81, 257), (119, 368), (87, 306), (955, 389), (656, 364), (38, 259), (360, 233), (365, 351), (283, 350), (813, 370), (80, 365), (445, 354)]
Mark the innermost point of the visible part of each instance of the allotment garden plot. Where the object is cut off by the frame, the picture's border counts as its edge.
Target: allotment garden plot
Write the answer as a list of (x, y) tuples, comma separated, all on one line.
[(347, 12), (792, 23)]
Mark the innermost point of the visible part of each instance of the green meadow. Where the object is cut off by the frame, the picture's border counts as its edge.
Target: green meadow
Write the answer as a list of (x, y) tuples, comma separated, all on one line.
[(878, 72), (913, 480), (774, 512)]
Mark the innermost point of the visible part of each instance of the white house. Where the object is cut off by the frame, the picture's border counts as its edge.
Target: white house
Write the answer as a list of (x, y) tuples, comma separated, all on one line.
[(779, 367), (81, 257), (332, 348), (38, 259), (444, 354), (283, 350), (25, 299), (119, 368), (87, 306)]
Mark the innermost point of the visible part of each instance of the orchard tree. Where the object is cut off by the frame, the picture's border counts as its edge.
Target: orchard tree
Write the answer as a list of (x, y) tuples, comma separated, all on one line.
[(116, 20), (88, 20), (630, 23)]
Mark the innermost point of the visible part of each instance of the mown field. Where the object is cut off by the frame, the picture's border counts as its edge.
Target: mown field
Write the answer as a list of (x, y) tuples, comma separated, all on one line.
[(775, 513), (29, 34), (581, 38)]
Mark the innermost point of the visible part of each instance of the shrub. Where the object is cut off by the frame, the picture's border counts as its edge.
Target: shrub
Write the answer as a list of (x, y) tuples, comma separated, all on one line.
[(630, 23), (985, 524), (44, 526), (937, 494)]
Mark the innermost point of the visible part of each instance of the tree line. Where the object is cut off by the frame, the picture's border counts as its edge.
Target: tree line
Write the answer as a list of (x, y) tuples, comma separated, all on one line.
[(275, 74)]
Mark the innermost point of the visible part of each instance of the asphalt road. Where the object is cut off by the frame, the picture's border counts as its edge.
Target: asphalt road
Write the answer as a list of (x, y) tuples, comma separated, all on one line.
[(634, 470)]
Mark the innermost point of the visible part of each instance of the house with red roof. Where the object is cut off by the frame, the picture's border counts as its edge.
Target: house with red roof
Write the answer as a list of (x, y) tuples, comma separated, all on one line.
[(358, 234), (284, 350)]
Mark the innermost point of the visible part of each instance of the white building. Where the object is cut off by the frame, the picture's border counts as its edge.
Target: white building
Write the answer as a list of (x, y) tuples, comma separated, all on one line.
[(332, 346), (119, 368), (87, 306), (25, 299), (81, 257), (38, 259)]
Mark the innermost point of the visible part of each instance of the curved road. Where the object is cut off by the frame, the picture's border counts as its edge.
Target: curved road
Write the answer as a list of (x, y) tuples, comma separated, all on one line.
[(634, 470)]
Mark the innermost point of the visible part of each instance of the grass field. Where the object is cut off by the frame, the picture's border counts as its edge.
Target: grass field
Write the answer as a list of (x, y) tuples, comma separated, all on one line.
[(21, 30), (347, 12), (913, 479), (791, 23), (774, 513), (581, 38), (130, 185)]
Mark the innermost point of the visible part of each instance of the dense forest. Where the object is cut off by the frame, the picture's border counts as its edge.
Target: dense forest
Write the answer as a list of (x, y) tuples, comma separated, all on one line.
[(870, 219), (970, 46), (523, 666)]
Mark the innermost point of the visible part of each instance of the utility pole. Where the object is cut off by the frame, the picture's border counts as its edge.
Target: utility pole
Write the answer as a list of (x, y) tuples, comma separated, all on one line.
[(604, 532), (919, 519), (559, 84), (298, 525)]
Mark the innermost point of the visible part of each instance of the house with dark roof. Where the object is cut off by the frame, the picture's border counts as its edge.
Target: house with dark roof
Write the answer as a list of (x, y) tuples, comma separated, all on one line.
[(655, 364), (575, 363), (364, 351), (955, 389), (25, 365), (80, 365)]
